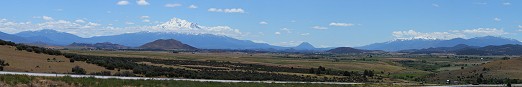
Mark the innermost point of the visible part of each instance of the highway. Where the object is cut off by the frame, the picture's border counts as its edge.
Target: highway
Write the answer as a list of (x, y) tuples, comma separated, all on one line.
[(151, 78)]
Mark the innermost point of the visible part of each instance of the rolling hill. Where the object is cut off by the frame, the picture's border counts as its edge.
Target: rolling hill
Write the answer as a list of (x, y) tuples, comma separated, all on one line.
[(346, 50), (105, 45), (488, 72), (24, 61), (167, 44)]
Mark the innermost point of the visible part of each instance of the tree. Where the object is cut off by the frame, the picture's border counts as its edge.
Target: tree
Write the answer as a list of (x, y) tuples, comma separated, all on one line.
[(311, 70), (2, 64), (505, 58), (78, 70)]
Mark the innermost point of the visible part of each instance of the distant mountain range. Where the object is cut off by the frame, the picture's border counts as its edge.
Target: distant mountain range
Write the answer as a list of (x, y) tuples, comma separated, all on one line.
[(167, 44), (204, 41), (345, 50), (50, 37), (462, 49), (348, 50), (397, 45), (14, 38), (105, 45)]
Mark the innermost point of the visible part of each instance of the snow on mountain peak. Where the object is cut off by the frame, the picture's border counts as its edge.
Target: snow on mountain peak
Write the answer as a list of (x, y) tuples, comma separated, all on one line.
[(176, 23)]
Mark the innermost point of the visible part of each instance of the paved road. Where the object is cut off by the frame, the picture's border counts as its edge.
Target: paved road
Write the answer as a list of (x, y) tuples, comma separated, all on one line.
[(148, 78), (481, 85)]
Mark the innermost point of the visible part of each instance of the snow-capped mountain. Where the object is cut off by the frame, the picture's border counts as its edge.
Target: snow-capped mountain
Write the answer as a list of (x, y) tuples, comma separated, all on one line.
[(176, 23), (203, 41)]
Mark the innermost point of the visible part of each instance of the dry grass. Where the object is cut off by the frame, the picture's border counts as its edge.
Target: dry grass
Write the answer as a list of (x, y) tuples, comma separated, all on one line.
[(22, 61), (496, 69), (261, 58)]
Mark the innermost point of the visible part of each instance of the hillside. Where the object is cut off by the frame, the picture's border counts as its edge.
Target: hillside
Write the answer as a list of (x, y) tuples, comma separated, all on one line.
[(491, 71), (167, 44), (305, 46), (105, 45), (9, 37), (50, 37), (345, 50), (430, 50), (23, 61)]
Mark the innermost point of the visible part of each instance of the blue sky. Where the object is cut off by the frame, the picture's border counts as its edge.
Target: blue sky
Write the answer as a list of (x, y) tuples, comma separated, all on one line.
[(324, 23)]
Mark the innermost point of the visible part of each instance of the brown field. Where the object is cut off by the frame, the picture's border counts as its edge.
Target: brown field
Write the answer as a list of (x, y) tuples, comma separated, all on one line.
[(496, 69), (400, 59), (260, 58), (23, 61)]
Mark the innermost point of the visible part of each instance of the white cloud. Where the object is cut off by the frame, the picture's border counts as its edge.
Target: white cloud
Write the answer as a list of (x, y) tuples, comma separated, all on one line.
[(435, 5), (263, 22), (142, 2), (506, 3), (58, 9), (288, 43), (259, 41), (227, 10), (287, 30), (277, 33), (341, 24), (80, 21), (305, 34), (173, 5), (319, 28), (192, 6), (484, 31), (129, 23), (93, 24), (520, 26), (146, 20), (47, 18), (497, 19), (411, 34), (124, 2), (144, 17)]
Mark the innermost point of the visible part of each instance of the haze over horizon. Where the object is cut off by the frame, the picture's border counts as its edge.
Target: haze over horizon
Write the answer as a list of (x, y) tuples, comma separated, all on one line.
[(286, 23)]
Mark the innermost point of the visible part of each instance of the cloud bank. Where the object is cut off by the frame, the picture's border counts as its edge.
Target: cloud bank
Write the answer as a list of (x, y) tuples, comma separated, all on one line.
[(411, 34)]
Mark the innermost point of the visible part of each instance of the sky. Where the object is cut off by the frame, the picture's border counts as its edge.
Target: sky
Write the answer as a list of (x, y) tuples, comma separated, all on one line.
[(323, 23)]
